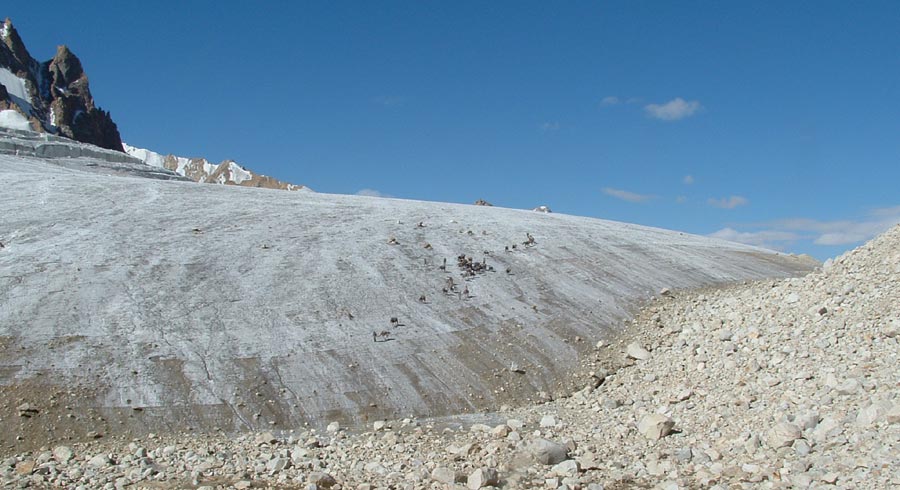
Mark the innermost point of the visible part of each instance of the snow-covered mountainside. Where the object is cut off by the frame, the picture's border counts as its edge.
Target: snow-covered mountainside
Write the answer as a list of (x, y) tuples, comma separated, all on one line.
[(53, 96), (201, 170)]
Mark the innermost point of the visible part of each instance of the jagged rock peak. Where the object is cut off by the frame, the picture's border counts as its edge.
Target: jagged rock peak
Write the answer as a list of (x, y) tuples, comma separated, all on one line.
[(65, 67), (15, 57), (54, 96)]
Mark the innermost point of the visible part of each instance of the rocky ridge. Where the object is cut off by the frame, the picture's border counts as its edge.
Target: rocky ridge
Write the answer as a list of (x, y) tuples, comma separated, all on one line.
[(53, 95), (201, 170), (772, 384)]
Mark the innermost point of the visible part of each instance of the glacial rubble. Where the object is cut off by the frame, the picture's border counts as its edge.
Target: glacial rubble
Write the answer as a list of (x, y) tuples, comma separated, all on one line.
[(787, 383)]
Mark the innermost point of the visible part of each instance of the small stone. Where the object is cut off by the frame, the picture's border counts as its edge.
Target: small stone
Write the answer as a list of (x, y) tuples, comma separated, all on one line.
[(25, 467), (443, 474), (830, 478), (827, 429), (376, 467), (99, 461), (548, 421), (783, 434), (848, 387), (321, 479), (276, 465), (588, 461), (867, 415), (63, 454), (501, 431), (243, 484), (893, 415), (635, 351), (568, 467), (548, 452), (801, 447), (265, 438), (333, 427), (482, 477), (655, 426), (27, 410), (379, 425)]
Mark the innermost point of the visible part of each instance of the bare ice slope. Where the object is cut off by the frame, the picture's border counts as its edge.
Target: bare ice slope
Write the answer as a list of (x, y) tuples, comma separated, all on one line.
[(215, 306)]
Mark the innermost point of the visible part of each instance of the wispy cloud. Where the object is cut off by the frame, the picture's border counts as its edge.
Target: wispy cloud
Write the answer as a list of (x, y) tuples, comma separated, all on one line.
[(371, 193), (673, 110), (688, 179), (773, 239), (681, 199), (779, 233), (842, 232), (550, 126), (627, 196), (389, 100), (729, 202), (610, 100)]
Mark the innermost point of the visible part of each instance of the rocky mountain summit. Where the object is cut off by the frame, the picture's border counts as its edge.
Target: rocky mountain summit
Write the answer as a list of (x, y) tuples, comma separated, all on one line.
[(54, 95), (201, 170), (789, 383)]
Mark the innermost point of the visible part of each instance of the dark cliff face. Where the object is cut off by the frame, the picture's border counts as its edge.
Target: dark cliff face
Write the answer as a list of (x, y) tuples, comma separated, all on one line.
[(59, 93)]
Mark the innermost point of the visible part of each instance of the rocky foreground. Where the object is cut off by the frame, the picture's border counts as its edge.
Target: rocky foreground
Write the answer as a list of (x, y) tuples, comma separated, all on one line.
[(775, 384)]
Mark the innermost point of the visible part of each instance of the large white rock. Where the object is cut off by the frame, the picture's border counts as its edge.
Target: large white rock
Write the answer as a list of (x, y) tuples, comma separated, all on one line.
[(443, 474), (655, 426), (783, 434), (483, 477), (63, 454), (635, 351), (548, 452)]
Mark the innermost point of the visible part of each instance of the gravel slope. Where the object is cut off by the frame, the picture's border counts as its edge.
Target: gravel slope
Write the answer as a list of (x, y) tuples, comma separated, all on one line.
[(772, 384)]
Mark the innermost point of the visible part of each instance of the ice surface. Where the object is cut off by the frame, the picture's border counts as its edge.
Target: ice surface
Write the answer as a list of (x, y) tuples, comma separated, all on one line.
[(222, 306)]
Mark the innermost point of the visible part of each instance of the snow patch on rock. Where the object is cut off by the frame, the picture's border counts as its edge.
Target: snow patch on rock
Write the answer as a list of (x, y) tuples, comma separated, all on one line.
[(13, 120), (16, 88)]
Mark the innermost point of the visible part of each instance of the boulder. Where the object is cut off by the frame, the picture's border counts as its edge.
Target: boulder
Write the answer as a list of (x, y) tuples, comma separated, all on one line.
[(547, 452)]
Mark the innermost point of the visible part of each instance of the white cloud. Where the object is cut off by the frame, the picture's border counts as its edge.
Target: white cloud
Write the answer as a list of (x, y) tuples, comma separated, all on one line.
[(688, 179), (673, 110), (681, 199), (627, 196), (371, 193), (610, 100), (550, 126), (729, 202), (837, 232), (843, 232), (773, 239)]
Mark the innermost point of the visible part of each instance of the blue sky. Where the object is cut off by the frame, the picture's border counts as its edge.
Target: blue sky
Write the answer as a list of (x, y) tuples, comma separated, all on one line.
[(773, 123)]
